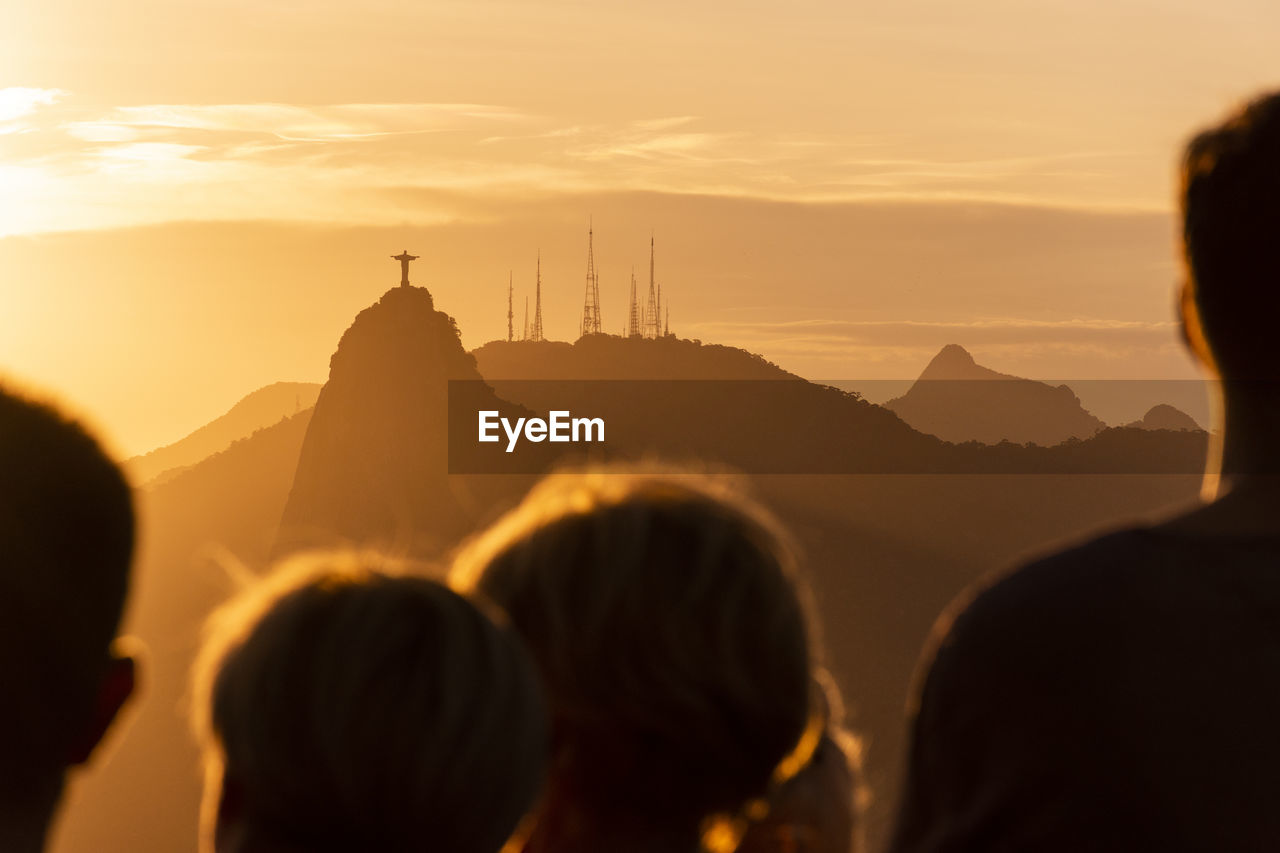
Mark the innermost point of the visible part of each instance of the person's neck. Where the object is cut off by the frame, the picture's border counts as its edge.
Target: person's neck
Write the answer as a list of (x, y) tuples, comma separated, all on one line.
[(1245, 443), (1240, 492)]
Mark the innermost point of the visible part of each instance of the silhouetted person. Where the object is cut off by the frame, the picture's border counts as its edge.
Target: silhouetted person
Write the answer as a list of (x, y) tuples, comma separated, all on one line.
[(66, 542), (666, 622), (343, 709), (1125, 695)]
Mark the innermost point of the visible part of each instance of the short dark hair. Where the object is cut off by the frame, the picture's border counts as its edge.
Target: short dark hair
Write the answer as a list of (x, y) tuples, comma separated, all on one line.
[(66, 543), (1231, 234)]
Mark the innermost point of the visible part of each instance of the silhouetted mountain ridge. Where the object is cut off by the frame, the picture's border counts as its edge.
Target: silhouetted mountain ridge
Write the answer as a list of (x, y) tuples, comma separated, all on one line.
[(613, 357), (959, 400), (1164, 416)]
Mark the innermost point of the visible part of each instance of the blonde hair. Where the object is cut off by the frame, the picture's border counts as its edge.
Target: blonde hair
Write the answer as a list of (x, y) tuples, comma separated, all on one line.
[(354, 709), (666, 619)]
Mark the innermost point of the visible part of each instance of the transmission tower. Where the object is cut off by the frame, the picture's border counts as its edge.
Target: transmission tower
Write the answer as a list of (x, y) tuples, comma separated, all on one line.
[(536, 335), (633, 322), (651, 303), (511, 332), (591, 307), (525, 336)]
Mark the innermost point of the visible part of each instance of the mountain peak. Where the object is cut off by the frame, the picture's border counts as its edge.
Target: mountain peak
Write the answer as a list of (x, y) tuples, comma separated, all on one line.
[(955, 399), (954, 362), (374, 464), (1164, 416), (954, 353)]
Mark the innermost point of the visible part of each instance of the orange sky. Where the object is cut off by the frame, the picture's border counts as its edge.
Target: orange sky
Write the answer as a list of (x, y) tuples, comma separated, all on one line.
[(820, 176)]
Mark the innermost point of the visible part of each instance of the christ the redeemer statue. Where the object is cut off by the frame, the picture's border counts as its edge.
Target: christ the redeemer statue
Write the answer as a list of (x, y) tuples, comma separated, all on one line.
[(404, 258)]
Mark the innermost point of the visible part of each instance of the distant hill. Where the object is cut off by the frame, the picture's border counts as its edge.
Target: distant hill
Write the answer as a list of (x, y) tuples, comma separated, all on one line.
[(709, 405), (262, 408), (1167, 417), (684, 400), (613, 357), (959, 400)]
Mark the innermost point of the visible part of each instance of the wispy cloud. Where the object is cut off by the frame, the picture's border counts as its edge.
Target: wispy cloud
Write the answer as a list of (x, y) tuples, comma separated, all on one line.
[(76, 166), (18, 101)]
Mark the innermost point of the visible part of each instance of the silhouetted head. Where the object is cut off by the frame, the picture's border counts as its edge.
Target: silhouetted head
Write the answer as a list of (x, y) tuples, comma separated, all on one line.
[(66, 542), (665, 619), (342, 708), (1231, 207)]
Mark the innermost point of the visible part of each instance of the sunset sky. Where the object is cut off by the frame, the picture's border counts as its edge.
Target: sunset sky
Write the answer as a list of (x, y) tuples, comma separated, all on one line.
[(197, 197)]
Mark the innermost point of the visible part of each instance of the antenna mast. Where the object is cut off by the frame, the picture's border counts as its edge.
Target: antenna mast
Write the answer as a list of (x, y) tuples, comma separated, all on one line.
[(633, 322), (510, 314), (651, 303), (591, 308), (537, 302)]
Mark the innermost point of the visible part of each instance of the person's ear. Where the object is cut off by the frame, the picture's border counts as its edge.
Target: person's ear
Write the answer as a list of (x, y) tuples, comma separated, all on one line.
[(114, 690), (1192, 330)]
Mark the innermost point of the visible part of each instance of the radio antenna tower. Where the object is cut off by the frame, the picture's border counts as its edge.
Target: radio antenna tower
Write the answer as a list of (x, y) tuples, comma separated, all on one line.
[(633, 322), (591, 308), (651, 303), (525, 336), (666, 324), (537, 306), (511, 332)]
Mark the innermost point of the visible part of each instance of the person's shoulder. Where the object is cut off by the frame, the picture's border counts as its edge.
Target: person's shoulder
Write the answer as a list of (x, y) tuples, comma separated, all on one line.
[(1068, 607), (1079, 576), (1105, 565)]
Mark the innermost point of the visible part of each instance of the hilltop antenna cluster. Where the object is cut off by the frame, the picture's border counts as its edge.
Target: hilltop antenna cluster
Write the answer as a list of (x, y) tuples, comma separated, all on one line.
[(649, 319)]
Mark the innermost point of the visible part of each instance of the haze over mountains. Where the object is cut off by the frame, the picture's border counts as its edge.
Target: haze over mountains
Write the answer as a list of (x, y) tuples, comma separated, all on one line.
[(262, 408), (370, 465)]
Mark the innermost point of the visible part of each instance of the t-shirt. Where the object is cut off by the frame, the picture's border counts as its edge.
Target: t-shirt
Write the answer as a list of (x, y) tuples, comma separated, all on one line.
[(1123, 695)]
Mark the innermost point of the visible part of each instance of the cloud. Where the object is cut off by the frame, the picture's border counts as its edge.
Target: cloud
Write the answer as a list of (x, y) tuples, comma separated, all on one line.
[(319, 123), (359, 163), (663, 123), (18, 101)]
